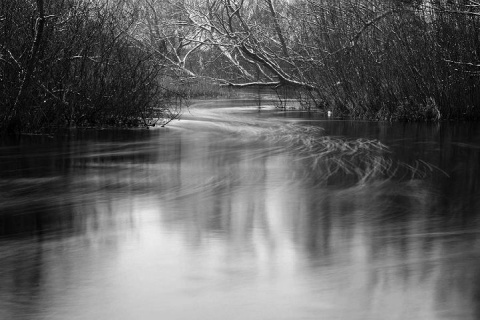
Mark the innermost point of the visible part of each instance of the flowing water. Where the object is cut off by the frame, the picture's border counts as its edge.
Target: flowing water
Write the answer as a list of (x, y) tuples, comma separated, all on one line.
[(237, 212)]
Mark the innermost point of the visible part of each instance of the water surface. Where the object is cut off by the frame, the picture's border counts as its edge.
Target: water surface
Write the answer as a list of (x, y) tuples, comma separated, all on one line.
[(237, 212)]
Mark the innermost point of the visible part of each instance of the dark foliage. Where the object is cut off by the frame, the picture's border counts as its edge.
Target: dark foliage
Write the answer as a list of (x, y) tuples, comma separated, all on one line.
[(86, 71)]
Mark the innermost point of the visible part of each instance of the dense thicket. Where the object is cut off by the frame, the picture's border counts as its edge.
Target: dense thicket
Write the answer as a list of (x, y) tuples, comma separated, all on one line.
[(73, 63), (394, 59), (409, 60)]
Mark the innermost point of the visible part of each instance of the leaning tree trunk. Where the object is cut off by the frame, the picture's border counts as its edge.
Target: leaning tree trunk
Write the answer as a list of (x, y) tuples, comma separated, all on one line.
[(12, 122)]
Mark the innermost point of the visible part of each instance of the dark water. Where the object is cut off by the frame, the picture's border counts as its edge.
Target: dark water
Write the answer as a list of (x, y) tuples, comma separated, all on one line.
[(236, 213)]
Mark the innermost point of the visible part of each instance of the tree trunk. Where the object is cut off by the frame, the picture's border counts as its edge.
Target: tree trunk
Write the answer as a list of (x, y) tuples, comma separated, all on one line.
[(278, 30), (12, 121)]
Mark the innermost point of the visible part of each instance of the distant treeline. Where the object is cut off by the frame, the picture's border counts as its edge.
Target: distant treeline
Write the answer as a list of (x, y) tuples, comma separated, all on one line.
[(129, 62)]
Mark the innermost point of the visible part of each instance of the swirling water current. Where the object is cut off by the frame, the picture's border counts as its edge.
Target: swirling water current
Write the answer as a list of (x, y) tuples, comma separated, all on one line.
[(240, 212)]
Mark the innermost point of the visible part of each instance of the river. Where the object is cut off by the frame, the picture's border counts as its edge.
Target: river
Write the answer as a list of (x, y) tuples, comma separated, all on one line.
[(240, 212)]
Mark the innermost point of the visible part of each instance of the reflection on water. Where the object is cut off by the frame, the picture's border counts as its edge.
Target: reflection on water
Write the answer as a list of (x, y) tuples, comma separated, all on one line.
[(211, 219)]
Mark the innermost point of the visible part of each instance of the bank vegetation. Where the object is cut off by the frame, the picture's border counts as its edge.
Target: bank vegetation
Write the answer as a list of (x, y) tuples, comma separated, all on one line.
[(90, 63)]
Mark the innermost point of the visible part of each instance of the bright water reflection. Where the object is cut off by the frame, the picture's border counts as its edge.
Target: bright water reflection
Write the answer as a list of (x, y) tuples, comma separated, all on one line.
[(208, 219)]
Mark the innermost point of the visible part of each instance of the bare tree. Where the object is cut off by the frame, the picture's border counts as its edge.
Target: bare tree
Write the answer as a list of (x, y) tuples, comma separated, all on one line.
[(11, 116), (368, 58)]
